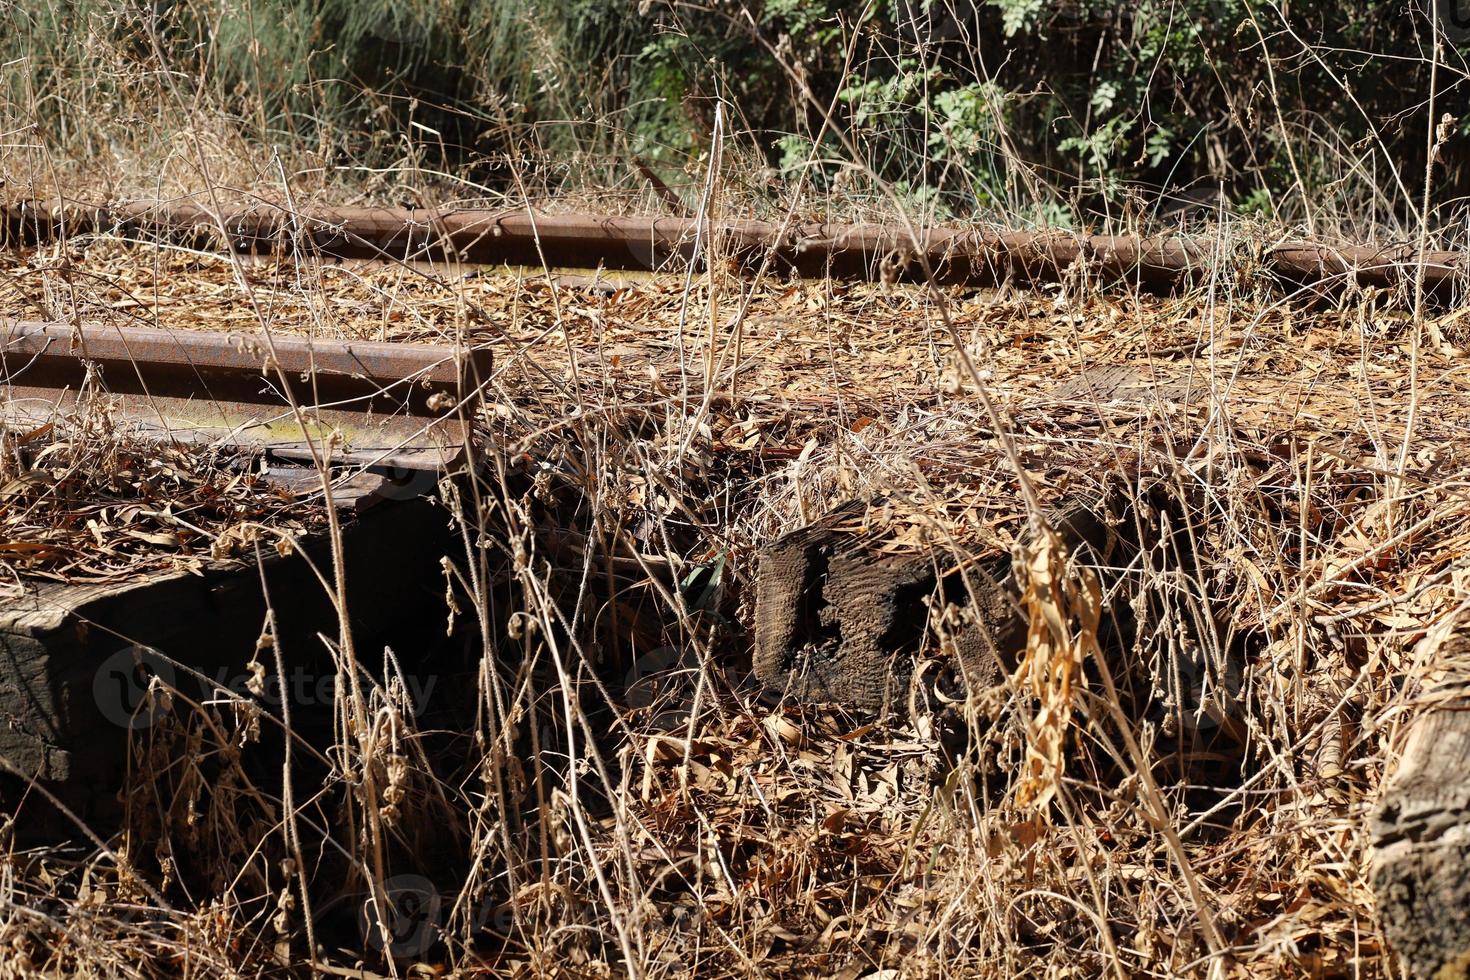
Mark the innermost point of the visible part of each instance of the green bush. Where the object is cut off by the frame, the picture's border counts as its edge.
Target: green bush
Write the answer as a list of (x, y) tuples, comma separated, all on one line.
[(1319, 101), (966, 106)]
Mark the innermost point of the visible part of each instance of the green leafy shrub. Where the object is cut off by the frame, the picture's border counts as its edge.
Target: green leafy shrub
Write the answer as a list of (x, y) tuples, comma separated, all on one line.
[(970, 106)]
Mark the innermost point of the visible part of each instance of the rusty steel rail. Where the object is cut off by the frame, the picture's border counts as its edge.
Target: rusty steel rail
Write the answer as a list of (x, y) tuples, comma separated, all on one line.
[(399, 410), (953, 255)]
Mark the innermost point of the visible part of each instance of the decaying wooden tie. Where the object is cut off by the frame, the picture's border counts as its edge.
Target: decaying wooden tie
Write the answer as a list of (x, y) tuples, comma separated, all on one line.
[(1421, 824), (844, 604), (75, 659)]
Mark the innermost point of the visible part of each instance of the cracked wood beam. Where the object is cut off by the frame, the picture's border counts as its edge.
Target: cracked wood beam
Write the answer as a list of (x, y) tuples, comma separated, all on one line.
[(843, 609), (1420, 826), (76, 658)]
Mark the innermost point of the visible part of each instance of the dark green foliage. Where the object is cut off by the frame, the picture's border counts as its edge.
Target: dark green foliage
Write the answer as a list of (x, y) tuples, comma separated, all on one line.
[(1279, 104), (1319, 99), (458, 76)]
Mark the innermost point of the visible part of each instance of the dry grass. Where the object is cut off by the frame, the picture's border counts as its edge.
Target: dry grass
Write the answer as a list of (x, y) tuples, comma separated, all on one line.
[(1173, 783), (686, 825), (84, 498)]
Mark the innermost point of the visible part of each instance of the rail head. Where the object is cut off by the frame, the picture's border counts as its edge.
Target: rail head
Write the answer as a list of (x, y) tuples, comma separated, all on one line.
[(395, 409)]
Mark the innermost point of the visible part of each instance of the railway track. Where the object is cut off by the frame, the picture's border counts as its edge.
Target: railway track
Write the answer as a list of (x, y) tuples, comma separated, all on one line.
[(953, 255), (77, 655), (398, 412)]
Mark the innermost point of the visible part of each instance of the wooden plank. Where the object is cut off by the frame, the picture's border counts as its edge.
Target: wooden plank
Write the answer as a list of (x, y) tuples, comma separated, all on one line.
[(68, 694), (841, 614), (1420, 827)]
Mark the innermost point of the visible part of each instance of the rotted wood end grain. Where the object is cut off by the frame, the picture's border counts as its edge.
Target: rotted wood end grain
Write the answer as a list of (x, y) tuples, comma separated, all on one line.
[(841, 611), (1420, 826)]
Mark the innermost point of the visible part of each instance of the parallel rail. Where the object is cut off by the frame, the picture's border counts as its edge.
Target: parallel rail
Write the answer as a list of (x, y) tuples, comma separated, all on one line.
[(953, 255), (403, 411)]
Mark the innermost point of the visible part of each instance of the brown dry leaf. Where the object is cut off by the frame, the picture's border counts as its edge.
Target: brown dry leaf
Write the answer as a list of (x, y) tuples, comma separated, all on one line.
[(1063, 609), (235, 541), (779, 727)]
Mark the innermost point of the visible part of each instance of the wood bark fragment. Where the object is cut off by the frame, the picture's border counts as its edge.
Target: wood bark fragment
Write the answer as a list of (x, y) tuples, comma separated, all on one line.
[(1420, 827)]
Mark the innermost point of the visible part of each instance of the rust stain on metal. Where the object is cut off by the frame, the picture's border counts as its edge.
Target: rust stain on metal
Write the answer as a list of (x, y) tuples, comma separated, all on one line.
[(953, 255), (393, 408)]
